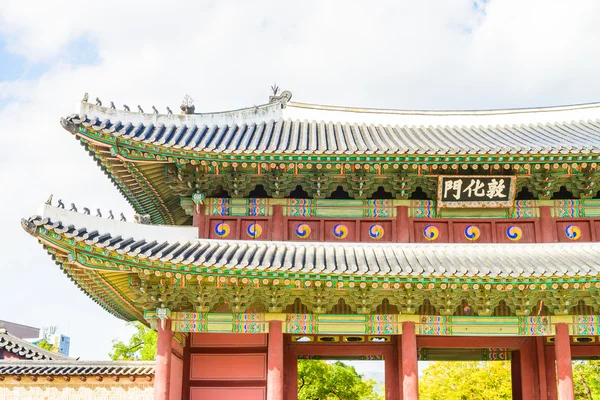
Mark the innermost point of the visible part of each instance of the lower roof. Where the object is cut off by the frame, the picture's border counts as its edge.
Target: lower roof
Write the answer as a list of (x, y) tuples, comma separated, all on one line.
[(129, 271), (382, 259), (77, 368), (26, 350)]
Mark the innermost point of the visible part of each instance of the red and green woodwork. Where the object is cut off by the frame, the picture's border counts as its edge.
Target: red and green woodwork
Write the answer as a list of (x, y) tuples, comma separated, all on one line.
[(323, 253)]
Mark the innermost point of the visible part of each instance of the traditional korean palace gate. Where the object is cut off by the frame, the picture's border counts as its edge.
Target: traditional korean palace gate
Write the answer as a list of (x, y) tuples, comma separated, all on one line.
[(288, 230)]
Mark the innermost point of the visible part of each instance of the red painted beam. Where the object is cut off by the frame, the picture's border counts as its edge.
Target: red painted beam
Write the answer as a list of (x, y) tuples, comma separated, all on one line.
[(469, 342), (564, 367), (162, 369), (277, 223), (547, 225), (199, 220), (340, 350), (402, 226), (410, 368)]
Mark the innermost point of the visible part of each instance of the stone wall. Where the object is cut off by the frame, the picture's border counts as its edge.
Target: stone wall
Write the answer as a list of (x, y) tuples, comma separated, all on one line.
[(75, 388)]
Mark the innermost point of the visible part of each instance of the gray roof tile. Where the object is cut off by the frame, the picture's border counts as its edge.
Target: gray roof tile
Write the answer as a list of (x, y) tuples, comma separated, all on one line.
[(390, 259), (335, 137), (76, 368), (25, 349)]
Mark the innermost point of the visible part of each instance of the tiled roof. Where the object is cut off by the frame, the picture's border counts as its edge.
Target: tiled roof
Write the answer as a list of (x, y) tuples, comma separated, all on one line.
[(77, 368), (290, 130), (389, 259), (25, 349)]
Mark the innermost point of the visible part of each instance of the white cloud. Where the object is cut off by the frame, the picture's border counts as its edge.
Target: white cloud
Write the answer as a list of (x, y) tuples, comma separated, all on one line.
[(425, 54)]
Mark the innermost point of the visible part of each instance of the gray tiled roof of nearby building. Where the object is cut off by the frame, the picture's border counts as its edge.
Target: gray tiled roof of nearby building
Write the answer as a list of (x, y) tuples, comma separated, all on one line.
[(77, 368), (390, 259), (307, 129), (25, 349)]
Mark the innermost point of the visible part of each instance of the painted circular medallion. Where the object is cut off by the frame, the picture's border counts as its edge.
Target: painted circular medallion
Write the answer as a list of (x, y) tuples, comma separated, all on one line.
[(303, 231), (376, 231), (472, 233), (431, 232), (254, 230), (340, 231), (514, 233), (222, 229), (573, 232)]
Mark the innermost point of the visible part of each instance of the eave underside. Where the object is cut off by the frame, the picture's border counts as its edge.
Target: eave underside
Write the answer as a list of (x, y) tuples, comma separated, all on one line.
[(552, 279), (154, 178)]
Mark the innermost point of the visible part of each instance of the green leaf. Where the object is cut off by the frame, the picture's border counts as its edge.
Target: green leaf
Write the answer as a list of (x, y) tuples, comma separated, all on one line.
[(141, 345)]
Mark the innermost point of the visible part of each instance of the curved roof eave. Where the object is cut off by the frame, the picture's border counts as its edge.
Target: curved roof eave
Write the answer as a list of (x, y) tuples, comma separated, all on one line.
[(393, 260), (300, 129)]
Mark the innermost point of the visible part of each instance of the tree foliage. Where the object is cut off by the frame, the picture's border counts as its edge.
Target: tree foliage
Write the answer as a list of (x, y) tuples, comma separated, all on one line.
[(491, 380), (318, 380), (44, 344), (586, 378), (453, 380), (141, 345)]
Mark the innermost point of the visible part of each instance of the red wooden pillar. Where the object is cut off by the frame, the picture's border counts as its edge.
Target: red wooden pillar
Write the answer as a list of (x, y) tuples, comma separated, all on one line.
[(275, 361), (277, 223), (291, 375), (530, 384), (515, 375), (564, 366), (541, 365), (402, 229), (199, 219), (162, 368), (546, 225), (410, 368), (392, 373), (550, 360)]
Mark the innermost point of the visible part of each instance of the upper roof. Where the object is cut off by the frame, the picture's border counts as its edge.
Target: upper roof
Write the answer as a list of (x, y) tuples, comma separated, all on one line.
[(77, 368), (284, 127), (25, 349)]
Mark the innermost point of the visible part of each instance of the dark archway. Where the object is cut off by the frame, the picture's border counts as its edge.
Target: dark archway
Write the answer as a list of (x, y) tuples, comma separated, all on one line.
[(418, 194), (525, 194), (563, 194), (380, 194), (299, 193), (258, 192), (339, 194), (220, 193)]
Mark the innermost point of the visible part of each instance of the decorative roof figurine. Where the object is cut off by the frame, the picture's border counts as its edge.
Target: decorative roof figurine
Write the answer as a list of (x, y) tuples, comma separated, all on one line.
[(187, 105)]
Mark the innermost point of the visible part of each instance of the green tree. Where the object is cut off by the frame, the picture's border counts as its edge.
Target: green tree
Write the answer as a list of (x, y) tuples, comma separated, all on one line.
[(141, 345), (318, 380), (586, 378), (44, 344), (453, 380)]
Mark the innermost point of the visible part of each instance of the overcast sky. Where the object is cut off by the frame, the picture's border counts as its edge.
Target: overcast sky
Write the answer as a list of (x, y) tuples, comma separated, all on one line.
[(447, 54)]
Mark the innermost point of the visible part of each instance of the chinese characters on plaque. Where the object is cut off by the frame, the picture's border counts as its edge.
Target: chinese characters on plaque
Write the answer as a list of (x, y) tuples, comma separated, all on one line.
[(476, 191)]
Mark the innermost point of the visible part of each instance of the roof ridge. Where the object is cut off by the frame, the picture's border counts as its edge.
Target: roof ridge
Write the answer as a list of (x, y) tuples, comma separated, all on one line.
[(16, 345), (433, 112)]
